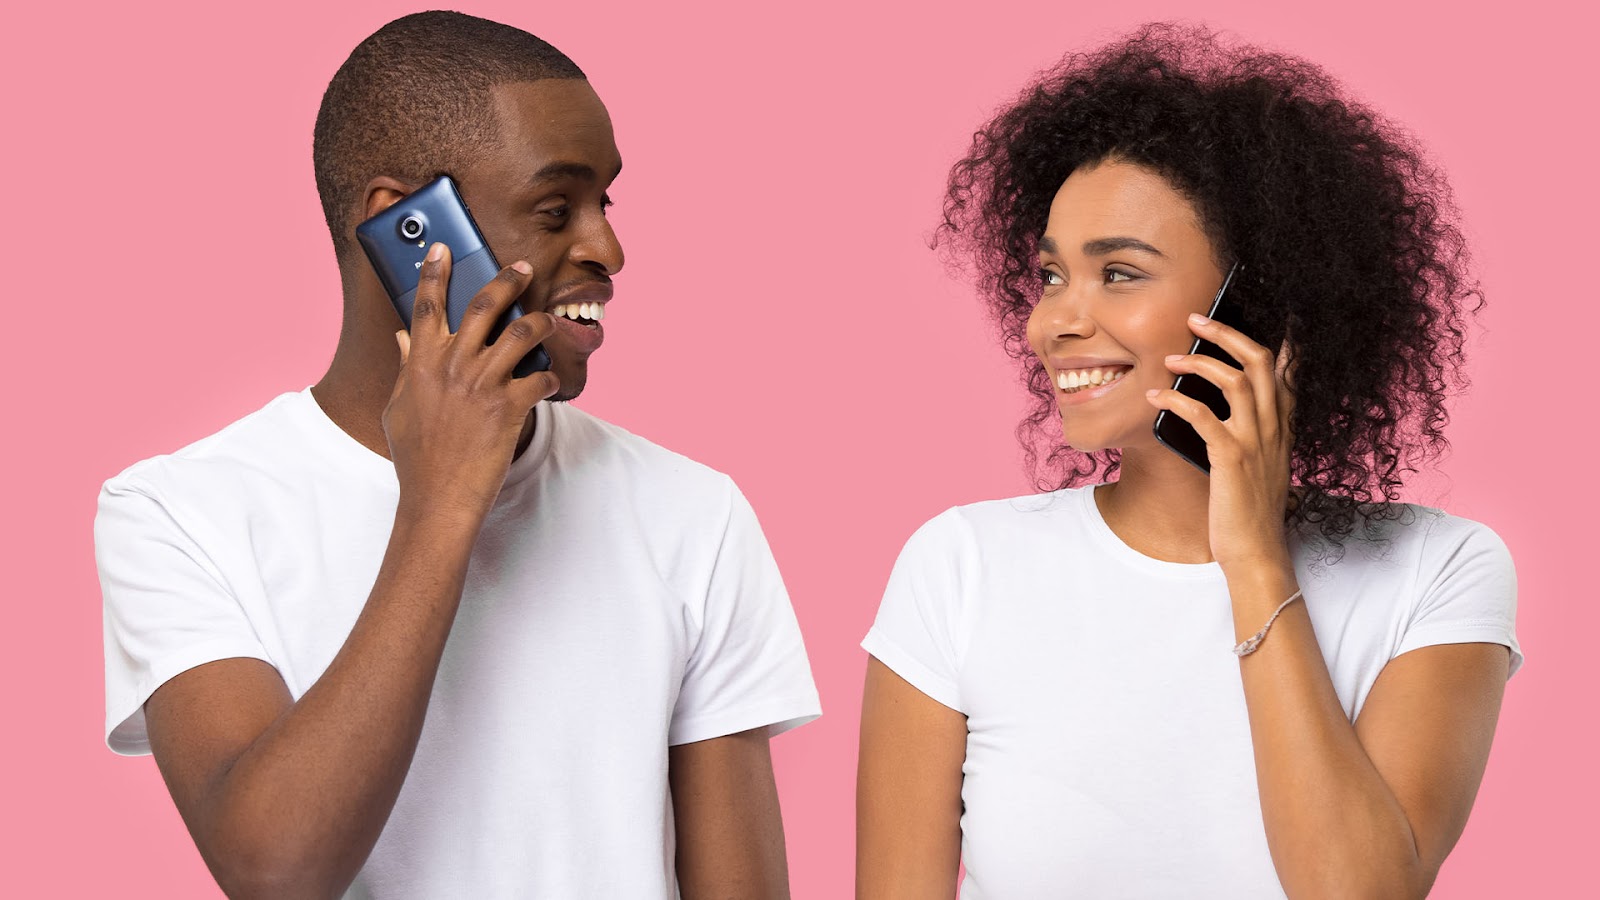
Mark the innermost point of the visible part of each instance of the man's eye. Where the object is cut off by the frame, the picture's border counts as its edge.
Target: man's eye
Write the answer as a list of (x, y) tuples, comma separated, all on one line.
[(1051, 276), (559, 212), (606, 202)]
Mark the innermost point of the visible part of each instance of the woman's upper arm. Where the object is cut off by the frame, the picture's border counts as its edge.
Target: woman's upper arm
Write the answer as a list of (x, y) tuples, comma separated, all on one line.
[(908, 791), (1427, 726)]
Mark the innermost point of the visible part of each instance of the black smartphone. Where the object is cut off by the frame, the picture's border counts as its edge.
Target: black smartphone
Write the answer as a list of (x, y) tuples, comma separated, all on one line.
[(397, 239), (1170, 428)]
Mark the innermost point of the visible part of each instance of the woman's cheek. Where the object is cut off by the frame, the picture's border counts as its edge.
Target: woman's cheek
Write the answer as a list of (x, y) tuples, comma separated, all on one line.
[(1036, 333)]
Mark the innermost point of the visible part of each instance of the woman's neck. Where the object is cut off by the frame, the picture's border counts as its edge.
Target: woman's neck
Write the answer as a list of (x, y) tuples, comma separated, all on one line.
[(1159, 506)]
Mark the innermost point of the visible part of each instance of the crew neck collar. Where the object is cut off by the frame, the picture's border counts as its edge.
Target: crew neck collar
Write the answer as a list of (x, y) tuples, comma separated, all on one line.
[(1108, 541), (363, 458)]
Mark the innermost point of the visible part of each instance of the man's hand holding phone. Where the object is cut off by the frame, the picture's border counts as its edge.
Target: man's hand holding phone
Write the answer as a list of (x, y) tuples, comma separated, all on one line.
[(457, 412)]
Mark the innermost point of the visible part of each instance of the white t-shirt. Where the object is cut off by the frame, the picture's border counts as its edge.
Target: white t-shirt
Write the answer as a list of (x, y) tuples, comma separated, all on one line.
[(1108, 749), (620, 599)]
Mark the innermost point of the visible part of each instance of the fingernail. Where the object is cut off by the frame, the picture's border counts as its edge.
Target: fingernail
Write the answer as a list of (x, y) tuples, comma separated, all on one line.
[(1198, 319), (436, 252), (1151, 393), (1175, 357), (522, 267)]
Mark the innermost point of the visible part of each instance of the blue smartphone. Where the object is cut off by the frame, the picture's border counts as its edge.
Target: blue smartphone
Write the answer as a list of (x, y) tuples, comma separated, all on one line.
[(1170, 428), (397, 239)]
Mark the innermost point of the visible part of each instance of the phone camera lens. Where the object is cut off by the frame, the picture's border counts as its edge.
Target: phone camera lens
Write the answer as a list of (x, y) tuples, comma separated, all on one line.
[(411, 228)]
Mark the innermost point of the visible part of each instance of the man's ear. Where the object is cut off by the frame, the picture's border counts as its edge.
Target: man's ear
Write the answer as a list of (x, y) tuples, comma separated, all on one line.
[(381, 193)]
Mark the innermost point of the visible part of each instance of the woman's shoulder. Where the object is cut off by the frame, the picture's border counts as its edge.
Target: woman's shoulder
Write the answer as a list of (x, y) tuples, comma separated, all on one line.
[(986, 521), (1412, 533)]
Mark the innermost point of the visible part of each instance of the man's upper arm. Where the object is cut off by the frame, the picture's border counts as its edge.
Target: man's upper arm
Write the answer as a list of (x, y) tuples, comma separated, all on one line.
[(729, 829), (203, 720), (167, 603)]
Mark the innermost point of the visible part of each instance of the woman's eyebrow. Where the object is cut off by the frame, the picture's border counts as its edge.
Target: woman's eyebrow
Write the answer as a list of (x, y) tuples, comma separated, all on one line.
[(1101, 246)]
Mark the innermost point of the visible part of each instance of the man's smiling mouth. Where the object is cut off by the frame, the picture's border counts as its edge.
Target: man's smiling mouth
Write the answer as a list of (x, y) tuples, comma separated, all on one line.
[(582, 313)]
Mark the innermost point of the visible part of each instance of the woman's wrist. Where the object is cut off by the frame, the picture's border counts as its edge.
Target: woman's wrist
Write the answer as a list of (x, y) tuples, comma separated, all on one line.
[(1257, 587)]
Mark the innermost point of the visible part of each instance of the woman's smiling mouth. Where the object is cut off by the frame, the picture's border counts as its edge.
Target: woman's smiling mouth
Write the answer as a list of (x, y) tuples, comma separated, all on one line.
[(1072, 381)]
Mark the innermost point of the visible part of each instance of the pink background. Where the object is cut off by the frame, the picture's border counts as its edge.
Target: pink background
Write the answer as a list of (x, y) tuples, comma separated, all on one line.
[(169, 272)]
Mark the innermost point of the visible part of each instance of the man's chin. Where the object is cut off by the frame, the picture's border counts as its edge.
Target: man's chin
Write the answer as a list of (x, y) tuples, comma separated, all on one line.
[(571, 386)]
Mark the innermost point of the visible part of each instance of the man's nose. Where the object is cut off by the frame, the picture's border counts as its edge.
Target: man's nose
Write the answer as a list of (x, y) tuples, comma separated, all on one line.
[(597, 247)]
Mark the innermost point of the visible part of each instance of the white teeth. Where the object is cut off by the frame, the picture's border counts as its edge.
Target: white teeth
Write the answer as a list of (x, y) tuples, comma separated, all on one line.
[(1072, 380), (575, 311)]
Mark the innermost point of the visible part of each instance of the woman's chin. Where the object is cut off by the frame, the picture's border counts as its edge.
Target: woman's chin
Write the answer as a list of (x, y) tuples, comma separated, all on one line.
[(1085, 442)]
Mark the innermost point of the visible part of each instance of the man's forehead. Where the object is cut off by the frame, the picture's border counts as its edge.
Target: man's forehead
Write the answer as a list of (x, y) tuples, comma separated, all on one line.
[(562, 104), (554, 122)]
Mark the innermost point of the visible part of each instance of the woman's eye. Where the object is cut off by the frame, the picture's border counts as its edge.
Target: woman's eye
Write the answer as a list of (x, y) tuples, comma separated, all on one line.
[(1117, 276), (1051, 277)]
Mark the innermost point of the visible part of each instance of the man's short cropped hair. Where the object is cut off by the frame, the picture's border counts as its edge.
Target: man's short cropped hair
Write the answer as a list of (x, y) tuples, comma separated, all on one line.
[(414, 101)]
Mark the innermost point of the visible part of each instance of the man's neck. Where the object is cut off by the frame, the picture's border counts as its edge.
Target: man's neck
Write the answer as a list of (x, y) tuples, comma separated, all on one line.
[(355, 390), (355, 402)]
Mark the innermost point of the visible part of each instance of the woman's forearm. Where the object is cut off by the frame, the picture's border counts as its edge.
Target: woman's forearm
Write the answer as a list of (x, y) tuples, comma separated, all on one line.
[(1334, 826)]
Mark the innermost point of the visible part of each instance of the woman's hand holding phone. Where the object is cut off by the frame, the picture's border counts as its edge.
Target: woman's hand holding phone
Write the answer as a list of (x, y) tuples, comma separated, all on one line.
[(456, 412), (1249, 451)]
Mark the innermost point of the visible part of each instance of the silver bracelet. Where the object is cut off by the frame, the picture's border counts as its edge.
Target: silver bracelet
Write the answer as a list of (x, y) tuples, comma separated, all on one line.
[(1247, 647)]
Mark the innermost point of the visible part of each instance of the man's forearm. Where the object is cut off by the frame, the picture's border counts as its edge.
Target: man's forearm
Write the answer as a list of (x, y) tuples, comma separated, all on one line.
[(298, 812)]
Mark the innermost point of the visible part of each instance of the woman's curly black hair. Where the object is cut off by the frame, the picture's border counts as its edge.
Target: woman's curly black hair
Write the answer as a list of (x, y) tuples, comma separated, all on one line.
[(1348, 235)]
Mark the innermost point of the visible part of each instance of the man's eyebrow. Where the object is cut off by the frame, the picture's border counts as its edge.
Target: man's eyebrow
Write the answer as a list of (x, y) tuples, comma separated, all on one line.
[(559, 170), (1103, 246)]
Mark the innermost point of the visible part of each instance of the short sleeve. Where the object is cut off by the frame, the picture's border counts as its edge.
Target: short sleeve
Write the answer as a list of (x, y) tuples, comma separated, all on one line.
[(748, 667), (167, 608), (916, 632), (1467, 590)]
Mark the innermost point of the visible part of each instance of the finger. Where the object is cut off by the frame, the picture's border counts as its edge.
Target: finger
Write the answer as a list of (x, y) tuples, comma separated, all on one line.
[(404, 340), (1234, 384), (491, 302), (1285, 370), (429, 322), (1205, 422), (531, 389), (518, 340), (1256, 361)]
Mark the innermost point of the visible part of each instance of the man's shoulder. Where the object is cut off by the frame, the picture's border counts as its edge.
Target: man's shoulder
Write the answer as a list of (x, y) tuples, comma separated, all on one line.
[(584, 439), (254, 442)]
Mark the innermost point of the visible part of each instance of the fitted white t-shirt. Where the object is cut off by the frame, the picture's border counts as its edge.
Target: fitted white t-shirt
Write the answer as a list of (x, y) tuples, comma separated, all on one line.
[(620, 598), (1108, 749)]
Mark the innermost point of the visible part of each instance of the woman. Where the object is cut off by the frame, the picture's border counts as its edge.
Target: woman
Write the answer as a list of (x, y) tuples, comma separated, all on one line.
[(1051, 698)]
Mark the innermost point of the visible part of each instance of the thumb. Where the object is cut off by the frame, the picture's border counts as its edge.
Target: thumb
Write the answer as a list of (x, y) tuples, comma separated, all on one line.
[(403, 338)]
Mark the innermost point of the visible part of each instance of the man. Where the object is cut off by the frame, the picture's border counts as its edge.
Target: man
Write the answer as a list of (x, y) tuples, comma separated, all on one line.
[(420, 631)]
